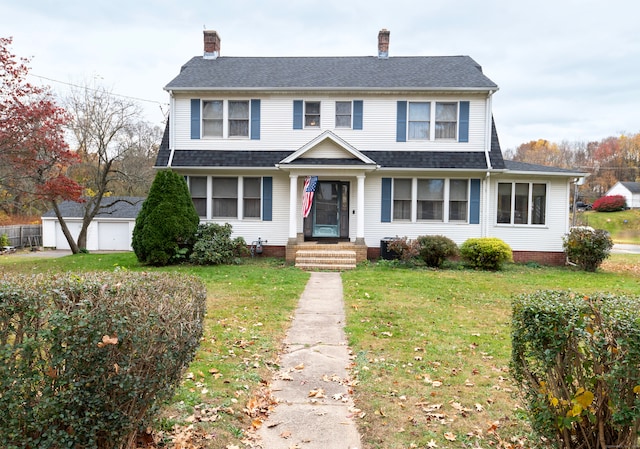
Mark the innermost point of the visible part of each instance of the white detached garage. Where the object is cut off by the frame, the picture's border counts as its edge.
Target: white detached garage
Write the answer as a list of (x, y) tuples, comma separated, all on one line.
[(110, 230)]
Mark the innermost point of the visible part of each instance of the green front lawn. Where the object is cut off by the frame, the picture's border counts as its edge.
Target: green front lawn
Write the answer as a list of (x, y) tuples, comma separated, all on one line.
[(431, 348)]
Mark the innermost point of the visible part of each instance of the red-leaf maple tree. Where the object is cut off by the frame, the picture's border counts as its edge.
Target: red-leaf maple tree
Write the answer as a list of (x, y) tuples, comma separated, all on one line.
[(34, 156)]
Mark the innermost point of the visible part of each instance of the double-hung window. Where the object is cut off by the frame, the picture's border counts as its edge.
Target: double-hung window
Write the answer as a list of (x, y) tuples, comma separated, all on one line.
[(312, 114), (458, 199), (217, 113), (446, 120), (402, 199), (198, 189), (212, 118), (419, 120), (224, 201), (430, 199), (343, 114), (238, 119), (251, 197), (521, 203)]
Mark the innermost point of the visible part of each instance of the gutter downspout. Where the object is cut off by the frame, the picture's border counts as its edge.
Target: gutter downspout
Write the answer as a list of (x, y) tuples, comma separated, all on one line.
[(172, 115), (488, 113), (484, 230)]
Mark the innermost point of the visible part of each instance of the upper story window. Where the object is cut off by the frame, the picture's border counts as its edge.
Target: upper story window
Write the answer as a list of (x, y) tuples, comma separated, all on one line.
[(226, 118), (419, 120), (238, 119), (212, 118), (312, 114), (522, 203), (343, 114), (446, 120), (432, 120)]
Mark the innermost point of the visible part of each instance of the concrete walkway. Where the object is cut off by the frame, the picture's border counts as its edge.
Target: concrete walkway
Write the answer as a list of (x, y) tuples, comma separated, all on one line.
[(312, 386)]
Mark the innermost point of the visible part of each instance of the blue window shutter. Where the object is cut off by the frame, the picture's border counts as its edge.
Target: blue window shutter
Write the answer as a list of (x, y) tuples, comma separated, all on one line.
[(195, 118), (386, 201), (357, 114), (463, 135), (255, 119), (267, 198), (401, 124), (474, 202), (297, 114)]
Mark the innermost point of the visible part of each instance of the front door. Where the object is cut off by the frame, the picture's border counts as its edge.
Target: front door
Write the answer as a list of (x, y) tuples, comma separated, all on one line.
[(329, 217)]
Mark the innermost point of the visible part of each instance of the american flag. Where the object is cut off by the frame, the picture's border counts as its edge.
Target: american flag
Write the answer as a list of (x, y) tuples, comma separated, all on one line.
[(310, 183)]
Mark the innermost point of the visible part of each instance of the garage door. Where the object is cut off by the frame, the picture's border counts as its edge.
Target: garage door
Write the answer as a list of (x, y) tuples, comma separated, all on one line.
[(114, 236)]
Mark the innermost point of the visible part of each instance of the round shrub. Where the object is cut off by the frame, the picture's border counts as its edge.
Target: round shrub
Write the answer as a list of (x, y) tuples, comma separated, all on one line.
[(214, 245), (611, 203), (587, 247), (167, 222), (435, 249), (85, 358), (486, 253)]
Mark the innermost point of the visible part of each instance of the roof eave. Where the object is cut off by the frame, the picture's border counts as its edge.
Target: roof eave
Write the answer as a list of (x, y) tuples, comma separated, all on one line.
[(332, 89)]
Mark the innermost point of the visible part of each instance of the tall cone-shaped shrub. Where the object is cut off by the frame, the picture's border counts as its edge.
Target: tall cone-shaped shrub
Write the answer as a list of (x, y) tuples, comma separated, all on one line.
[(167, 223)]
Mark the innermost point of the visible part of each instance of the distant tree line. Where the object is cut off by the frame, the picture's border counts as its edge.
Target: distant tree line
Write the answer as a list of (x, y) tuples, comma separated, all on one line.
[(607, 161)]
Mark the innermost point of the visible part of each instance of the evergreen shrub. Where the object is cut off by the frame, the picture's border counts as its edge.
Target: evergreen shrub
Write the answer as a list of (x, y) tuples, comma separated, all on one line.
[(435, 249), (576, 360), (215, 246), (587, 247), (85, 359), (167, 223), (486, 253)]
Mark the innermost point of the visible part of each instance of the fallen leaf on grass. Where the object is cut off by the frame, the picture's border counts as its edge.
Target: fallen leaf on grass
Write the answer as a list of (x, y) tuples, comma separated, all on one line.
[(432, 443), (450, 436)]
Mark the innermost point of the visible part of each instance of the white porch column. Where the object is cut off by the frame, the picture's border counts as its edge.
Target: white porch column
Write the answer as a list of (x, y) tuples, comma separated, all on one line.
[(293, 201), (360, 209)]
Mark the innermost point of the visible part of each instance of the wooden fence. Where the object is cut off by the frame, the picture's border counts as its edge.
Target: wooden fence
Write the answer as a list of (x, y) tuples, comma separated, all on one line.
[(21, 236)]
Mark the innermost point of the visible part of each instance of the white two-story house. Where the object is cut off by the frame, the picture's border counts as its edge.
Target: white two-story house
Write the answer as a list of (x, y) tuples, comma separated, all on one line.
[(395, 146)]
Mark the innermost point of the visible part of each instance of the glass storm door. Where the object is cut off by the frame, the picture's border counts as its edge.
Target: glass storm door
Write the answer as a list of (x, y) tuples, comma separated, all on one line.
[(326, 213)]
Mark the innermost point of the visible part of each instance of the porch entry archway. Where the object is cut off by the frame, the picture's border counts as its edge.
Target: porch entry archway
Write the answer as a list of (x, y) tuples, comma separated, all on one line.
[(329, 216)]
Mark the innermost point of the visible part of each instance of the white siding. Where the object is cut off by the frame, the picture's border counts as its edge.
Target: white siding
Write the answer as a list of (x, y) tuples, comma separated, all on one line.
[(378, 133), (546, 237), (632, 200)]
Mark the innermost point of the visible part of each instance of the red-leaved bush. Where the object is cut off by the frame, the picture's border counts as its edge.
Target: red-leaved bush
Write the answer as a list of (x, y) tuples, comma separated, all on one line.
[(611, 203)]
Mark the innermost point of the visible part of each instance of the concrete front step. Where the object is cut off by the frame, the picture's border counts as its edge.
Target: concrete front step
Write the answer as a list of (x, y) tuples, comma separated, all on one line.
[(335, 260)]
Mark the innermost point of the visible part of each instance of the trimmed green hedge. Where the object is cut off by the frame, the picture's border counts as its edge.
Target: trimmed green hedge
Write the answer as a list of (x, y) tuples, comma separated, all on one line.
[(85, 358), (486, 253), (577, 362)]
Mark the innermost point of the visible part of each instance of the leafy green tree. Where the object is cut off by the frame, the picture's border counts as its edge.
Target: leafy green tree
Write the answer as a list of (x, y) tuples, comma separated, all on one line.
[(166, 225)]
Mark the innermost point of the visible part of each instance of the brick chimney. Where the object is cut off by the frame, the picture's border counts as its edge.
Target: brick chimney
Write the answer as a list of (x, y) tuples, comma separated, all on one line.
[(211, 44), (383, 44)]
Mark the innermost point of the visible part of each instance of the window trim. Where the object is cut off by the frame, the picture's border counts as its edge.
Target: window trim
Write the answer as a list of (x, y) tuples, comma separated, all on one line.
[(305, 114), (529, 205), (226, 120), (350, 115), (446, 201), (404, 121)]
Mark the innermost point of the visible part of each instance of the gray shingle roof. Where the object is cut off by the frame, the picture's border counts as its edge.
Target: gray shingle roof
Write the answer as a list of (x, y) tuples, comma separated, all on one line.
[(633, 187), (525, 167), (113, 207), (354, 73)]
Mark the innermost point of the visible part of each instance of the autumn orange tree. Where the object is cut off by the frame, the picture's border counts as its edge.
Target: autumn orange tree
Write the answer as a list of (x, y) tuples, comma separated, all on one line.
[(34, 157)]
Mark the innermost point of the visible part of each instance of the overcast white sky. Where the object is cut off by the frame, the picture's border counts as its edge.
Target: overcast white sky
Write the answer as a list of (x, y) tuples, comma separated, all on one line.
[(567, 69)]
